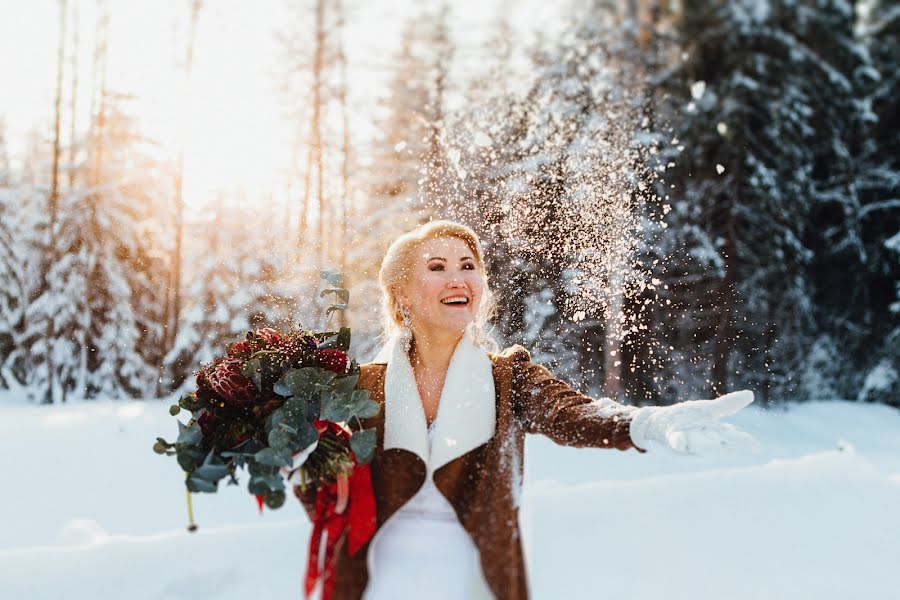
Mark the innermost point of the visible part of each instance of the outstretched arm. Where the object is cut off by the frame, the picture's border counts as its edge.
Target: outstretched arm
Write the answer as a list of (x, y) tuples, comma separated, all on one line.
[(551, 407)]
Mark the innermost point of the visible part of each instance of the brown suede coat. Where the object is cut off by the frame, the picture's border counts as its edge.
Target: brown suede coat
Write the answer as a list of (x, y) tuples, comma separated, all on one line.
[(481, 485)]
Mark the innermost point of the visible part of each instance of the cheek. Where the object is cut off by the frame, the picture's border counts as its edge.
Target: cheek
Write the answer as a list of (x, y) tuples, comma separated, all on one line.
[(430, 285), (476, 284)]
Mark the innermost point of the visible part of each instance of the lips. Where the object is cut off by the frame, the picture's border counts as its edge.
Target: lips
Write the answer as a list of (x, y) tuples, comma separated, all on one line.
[(455, 301)]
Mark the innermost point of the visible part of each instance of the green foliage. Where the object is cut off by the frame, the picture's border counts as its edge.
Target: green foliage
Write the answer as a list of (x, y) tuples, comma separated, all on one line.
[(303, 383), (363, 444), (263, 434)]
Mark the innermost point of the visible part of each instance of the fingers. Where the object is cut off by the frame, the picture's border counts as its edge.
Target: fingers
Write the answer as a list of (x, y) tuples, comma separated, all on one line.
[(729, 404), (695, 413)]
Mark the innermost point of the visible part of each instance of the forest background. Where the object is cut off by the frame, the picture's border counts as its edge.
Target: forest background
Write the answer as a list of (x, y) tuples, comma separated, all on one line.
[(677, 199)]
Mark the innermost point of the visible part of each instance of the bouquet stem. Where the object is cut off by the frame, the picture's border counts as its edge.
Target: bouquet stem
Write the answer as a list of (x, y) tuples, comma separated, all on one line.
[(192, 527)]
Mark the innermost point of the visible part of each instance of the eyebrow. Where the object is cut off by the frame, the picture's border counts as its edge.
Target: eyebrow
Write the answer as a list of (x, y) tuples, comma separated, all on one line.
[(445, 260)]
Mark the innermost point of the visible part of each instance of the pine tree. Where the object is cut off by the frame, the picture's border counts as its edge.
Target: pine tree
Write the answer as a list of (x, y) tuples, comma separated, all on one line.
[(768, 109), (880, 211), (96, 286)]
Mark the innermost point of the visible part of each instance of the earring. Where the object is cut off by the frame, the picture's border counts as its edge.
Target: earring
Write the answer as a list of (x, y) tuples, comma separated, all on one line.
[(406, 333)]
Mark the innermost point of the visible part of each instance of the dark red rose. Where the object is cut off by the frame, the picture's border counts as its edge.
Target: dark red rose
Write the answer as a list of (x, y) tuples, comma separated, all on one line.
[(226, 380), (271, 336), (333, 360), (240, 350), (207, 423)]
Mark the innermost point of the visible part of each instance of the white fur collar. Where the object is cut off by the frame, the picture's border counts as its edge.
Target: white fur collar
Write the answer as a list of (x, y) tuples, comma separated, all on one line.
[(466, 414)]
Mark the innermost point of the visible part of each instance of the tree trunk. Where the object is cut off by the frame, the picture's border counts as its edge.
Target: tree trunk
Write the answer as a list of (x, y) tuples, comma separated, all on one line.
[(172, 307), (73, 106), (52, 204), (343, 242)]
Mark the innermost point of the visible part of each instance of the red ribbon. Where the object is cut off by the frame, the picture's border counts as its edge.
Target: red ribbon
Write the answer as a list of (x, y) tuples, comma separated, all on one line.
[(357, 521)]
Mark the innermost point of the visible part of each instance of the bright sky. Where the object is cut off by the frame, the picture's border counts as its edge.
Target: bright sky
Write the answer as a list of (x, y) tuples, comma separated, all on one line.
[(237, 135)]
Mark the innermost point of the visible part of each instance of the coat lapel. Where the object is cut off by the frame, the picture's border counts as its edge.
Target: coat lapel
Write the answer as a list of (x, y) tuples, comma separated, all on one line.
[(466, 415)]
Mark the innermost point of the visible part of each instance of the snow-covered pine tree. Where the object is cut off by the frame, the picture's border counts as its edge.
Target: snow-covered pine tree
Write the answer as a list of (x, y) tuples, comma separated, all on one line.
[(880, 211), (22, 218), (839, 146), (234, 283), (91, 288), (751, 96)]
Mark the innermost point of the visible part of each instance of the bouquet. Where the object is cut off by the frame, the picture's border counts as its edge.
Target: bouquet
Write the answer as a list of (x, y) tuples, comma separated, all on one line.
[(284, 405)]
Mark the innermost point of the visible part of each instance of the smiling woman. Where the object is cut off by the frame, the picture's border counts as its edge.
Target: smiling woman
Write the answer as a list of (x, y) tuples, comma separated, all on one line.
[(448, 464)]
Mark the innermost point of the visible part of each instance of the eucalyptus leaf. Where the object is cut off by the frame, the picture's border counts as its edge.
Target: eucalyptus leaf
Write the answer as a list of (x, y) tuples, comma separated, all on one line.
[(363, 444), (343, 341), (332, 276), (210, 472), (274, 458), (262, 484), (368, 408), (302, 382), (329, 342), (253, 371), (342, 294), (335, 308), (189, 435), (174, 409), (274, 499), (342, 407), (307, 435), (196, 484), (293, 412), (188, 457), (189, 402), (344, 385), (279, 439)]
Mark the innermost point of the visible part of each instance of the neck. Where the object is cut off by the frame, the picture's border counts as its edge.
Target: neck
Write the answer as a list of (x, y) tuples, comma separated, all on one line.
[(432, 350)]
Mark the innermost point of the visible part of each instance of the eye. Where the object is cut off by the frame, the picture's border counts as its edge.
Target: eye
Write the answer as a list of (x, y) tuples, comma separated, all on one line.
[(436, 267), (469, 266)]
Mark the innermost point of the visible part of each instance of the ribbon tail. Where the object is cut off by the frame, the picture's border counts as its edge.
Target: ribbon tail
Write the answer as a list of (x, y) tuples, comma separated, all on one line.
[(362, 509), (315, 540), (334, 530)]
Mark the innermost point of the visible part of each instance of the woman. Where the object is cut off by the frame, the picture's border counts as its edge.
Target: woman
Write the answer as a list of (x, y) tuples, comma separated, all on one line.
[(448, 466)]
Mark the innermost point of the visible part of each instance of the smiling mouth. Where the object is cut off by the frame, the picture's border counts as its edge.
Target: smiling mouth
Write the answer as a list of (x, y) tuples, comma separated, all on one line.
[(455, 301)]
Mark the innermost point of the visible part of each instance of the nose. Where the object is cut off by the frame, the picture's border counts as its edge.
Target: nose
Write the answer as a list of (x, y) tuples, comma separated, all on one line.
[(456, 281)]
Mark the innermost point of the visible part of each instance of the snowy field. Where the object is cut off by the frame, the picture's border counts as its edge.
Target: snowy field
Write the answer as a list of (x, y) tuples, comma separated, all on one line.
[(88, 511)]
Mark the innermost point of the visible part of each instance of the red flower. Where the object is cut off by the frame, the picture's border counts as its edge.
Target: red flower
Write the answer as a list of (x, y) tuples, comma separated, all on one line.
[(240, 349), (271, 336), (333, 360), (225, 379), (207, 422)]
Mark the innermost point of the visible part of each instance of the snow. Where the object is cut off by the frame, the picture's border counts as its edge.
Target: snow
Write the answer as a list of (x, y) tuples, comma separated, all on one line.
[(89, 511)]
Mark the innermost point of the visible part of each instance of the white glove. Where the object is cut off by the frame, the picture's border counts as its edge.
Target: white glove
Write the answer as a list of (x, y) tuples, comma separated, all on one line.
[(692, 427)]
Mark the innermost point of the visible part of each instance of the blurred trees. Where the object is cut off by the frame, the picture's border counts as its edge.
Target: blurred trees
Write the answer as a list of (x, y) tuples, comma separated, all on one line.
[(677, 200)]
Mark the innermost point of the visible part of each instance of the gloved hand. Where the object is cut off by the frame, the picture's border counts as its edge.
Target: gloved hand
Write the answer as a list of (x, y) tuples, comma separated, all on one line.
[(692, 427)]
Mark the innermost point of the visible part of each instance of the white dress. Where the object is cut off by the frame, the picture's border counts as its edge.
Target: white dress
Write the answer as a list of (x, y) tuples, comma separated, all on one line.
[(422, 551)]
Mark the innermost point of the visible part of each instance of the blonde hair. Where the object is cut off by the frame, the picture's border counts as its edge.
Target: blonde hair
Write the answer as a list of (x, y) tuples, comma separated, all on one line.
[(397, 264)]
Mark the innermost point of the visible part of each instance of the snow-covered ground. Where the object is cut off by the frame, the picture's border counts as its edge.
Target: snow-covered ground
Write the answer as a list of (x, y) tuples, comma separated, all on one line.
[(89, 511)]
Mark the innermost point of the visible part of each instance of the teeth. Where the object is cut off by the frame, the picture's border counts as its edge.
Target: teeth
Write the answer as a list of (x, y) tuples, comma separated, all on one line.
[(455, 300)]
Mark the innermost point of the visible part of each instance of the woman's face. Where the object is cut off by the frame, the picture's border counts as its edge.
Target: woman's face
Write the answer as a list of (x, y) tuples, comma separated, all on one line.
[(443, 269)]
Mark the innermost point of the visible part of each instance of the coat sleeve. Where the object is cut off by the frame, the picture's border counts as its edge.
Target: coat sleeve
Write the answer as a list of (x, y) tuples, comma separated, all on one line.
[(549, 406)]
